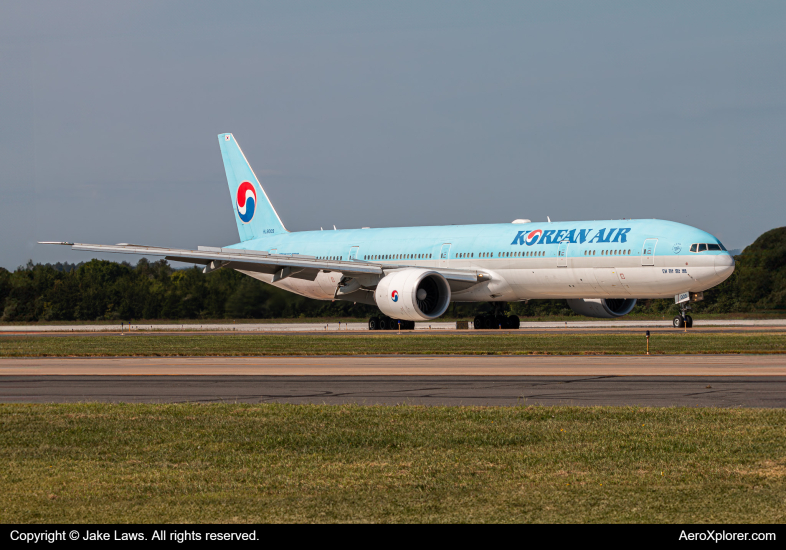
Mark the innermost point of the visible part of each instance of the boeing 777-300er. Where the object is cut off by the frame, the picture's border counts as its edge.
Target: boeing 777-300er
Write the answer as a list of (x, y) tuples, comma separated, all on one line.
[(413, 273)]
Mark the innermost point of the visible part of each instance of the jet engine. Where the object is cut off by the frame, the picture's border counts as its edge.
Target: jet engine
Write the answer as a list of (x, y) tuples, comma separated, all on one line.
[(413, 295), (605, 308)]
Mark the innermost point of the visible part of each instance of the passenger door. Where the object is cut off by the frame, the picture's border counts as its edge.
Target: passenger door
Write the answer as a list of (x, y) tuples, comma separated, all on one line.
[(648, 252), (562, 254), (444, 255), (353, 253)]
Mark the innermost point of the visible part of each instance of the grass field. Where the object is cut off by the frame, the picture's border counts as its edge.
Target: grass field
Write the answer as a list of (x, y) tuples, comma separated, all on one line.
[(147, 344), (272, 463)]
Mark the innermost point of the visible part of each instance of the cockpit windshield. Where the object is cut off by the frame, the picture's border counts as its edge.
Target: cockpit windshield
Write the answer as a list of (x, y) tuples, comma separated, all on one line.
[(703, 247)]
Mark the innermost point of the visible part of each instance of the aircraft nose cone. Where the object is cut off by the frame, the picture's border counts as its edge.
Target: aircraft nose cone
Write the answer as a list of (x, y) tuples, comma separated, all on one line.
[(724, 265)]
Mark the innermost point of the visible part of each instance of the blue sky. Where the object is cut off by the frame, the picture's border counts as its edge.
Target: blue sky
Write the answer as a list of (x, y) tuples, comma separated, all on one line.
[(386, 114)]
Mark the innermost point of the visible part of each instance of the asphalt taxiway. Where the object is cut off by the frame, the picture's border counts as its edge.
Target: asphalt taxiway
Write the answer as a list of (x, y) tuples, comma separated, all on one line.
[(677, 380)]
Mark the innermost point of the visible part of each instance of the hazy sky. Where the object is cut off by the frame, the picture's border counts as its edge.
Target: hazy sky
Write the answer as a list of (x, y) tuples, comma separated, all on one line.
[(386, 114)]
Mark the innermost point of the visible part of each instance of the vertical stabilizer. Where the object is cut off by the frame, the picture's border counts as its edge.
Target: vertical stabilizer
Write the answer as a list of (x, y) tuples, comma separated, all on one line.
[(254, 214)]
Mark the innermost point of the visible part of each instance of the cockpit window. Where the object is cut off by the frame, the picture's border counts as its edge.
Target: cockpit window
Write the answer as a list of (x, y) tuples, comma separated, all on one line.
[(703, 247)]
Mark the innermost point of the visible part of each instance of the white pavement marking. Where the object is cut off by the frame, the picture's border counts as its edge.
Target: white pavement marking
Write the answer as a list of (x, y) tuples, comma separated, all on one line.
[(336, 327)]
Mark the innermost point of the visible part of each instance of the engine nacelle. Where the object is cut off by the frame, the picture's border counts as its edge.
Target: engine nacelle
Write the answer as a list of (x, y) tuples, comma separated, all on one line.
[(605, 308), (413, 295)]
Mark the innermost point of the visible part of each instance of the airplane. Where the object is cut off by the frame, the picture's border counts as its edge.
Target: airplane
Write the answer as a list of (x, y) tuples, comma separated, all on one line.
[(601, 267)]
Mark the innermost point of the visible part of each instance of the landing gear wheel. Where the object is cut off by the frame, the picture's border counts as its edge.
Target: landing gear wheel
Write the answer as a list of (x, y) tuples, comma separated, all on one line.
[(678, 322), (479, 322), (514, 322), (373, 323), (383, 323), (500, 322), (688, 321), (393, 324)]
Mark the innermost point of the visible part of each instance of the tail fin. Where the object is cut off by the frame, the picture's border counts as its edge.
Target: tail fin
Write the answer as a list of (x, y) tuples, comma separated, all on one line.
[(254, 214)]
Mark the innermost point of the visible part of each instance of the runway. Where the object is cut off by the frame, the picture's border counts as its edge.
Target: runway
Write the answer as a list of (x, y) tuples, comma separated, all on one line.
[(678, 380), (653, 391), (362, 327)]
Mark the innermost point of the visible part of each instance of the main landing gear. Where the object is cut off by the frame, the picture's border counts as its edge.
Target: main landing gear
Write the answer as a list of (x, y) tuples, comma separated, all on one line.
[(497, 319), (683, 320), (386, 323)]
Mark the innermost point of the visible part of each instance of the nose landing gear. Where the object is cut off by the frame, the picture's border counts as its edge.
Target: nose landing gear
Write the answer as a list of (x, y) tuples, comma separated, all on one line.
[(683, 320)]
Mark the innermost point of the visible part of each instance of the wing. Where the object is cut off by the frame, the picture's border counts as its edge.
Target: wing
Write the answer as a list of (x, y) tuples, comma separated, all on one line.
[(280, 266)]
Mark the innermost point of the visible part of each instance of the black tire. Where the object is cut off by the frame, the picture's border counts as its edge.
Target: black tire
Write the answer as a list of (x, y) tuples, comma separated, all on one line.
[(479, 322), (410, 325), (383, 323), (678, 322), (514, 322), (500, 322), (689, 321), (394, 324), (373, 323)]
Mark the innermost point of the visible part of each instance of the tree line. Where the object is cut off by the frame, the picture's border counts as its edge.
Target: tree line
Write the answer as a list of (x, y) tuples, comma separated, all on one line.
[(112, 291)]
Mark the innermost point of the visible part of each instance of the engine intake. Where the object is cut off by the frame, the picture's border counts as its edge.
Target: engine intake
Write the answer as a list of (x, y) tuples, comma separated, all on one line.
[(605, 308), (413, 295)]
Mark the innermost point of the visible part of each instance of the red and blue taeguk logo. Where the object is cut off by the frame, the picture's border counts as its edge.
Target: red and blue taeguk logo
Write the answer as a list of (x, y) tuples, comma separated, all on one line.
[(394, 296), (246, 201), (533, 236)]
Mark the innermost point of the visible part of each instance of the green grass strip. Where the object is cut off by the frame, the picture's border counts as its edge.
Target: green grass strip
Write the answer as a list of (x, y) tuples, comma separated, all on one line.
[(389, 343), (308, 463)]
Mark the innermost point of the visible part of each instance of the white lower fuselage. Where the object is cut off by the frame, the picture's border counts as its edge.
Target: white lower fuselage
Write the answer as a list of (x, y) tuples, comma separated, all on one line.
[(515, 279)]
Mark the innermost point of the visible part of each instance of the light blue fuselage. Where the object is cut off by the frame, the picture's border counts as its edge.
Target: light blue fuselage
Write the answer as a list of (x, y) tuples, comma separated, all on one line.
[(586, 259)]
